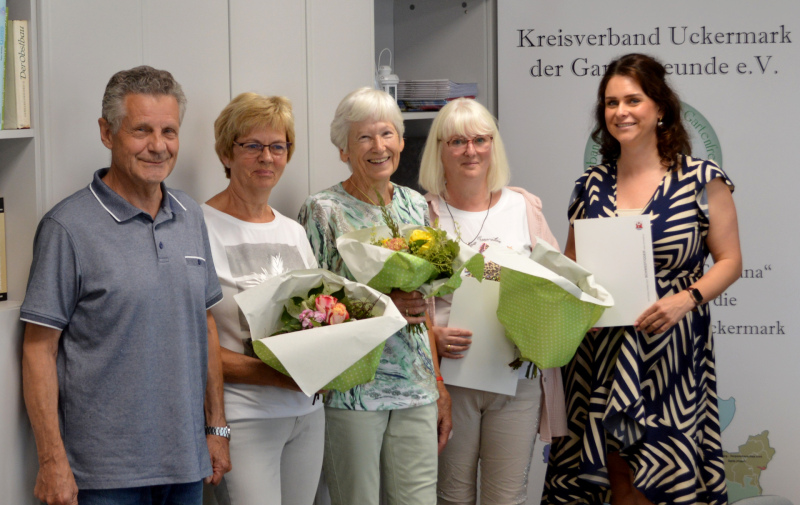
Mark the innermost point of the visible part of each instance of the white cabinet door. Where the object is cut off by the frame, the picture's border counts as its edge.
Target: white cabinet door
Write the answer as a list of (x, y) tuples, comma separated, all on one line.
[(314, 53), (85, 42)]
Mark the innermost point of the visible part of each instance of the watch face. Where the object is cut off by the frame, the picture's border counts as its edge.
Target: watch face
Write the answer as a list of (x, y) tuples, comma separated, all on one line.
[(698, 297)]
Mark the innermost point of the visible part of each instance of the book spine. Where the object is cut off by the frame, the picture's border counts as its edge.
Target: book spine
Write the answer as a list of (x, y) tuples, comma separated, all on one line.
[(3, 22), (3, 271), (21, 73), (17, 99)]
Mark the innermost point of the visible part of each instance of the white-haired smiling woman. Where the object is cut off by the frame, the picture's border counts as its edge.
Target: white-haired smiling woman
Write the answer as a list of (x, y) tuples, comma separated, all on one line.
[(380, 437)]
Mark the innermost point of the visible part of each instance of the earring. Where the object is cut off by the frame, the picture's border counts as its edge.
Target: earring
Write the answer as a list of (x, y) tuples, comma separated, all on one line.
[(660, 122)]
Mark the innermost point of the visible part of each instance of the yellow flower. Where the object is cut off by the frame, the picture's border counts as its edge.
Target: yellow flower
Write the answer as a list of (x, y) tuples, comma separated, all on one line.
[(421, 235)]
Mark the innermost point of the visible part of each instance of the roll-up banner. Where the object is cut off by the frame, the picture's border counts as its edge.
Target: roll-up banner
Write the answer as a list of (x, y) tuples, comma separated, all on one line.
[(736, 67)]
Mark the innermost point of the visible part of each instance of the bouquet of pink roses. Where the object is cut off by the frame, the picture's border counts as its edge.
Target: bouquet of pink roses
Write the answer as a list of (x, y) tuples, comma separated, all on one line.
[(318, 309), (297, 322)]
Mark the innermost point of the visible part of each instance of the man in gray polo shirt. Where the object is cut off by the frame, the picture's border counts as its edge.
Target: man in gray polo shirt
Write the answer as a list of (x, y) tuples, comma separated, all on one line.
[(122, 380)]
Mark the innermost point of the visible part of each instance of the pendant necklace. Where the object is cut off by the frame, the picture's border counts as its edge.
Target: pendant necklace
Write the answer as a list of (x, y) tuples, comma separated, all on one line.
[(455, 224)]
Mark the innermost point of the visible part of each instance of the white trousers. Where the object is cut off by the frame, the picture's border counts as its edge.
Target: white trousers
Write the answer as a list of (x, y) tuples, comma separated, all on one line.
[(275, 461), (499, 432)]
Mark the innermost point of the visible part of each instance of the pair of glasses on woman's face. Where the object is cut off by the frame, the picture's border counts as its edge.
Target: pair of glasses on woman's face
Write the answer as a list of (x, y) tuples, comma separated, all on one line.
[(254, 149), (481, 143)]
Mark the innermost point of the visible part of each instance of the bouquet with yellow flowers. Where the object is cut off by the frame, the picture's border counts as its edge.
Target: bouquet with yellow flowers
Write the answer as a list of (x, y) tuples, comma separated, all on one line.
[(408, 257)]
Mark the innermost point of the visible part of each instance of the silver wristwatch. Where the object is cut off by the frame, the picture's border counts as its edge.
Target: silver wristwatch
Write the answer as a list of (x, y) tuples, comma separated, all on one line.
[(220, 431)]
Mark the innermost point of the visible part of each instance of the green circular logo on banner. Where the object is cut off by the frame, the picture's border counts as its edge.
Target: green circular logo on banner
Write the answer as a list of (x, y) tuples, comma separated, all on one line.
[(702, 136)]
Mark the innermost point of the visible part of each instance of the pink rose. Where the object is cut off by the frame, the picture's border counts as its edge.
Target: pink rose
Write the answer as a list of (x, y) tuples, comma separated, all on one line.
[(338, 314), (325, 303)]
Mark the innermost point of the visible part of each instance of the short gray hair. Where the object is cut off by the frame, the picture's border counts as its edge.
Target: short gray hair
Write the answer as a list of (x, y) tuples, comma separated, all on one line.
[(142, 80), (463, 117), (362, 104)]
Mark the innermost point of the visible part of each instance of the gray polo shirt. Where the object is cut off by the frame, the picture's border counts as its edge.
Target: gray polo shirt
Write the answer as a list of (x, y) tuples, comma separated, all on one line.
[(130, 295)]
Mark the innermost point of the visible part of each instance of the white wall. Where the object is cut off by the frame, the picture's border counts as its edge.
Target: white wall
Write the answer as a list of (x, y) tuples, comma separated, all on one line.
[(215, 49)]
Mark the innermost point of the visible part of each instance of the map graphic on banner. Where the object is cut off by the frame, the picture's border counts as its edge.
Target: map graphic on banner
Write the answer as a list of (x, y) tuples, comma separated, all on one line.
[(743, 468)]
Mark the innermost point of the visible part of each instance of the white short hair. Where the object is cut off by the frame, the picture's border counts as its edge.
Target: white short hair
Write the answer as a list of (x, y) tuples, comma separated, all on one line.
[(362, 104)]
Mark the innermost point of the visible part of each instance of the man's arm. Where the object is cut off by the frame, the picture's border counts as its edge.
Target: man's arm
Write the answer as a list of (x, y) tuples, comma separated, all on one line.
[(55, 483), (215, 406)]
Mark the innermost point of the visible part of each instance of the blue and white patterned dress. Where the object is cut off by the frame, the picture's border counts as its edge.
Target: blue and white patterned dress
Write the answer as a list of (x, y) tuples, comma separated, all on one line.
[(651, 397)]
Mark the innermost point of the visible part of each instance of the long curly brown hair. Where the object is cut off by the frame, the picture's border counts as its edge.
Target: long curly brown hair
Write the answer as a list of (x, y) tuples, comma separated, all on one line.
[(650, 74)]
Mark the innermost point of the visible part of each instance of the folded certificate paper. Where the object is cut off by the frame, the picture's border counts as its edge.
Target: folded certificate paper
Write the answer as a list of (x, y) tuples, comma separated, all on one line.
[(619, 252)]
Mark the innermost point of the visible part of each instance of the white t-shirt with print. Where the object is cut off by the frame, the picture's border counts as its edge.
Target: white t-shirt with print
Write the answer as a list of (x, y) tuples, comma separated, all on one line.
[(245, 255)]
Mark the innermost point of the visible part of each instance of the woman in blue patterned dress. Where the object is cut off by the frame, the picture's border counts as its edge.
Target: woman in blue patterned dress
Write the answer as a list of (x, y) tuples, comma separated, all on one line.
[(642, 402), (379, 436)]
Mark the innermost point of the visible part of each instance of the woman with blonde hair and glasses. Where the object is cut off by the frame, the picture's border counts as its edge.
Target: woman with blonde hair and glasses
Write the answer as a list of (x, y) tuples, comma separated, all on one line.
[(276, 444), (465, 170)]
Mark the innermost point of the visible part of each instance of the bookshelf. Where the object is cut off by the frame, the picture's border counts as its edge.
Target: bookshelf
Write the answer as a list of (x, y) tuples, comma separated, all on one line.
[(19, 176), (20, 186)]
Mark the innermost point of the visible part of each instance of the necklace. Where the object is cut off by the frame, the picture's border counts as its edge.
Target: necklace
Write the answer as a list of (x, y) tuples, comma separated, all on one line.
[(370, 200), (479, 229)]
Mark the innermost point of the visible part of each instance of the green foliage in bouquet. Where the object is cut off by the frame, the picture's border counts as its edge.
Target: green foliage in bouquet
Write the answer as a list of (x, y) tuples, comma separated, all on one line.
[(430, 243)]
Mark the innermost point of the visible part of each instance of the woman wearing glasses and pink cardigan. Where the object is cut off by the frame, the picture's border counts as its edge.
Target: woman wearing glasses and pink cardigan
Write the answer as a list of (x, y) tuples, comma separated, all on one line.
[(465, 170)]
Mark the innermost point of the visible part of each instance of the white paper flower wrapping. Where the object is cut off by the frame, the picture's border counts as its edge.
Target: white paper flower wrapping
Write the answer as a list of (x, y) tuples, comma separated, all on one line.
[(338, 356)]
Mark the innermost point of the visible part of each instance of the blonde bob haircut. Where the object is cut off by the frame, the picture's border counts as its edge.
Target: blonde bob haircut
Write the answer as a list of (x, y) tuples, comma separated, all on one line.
[(360, 105), (246, 113), (462, 117)]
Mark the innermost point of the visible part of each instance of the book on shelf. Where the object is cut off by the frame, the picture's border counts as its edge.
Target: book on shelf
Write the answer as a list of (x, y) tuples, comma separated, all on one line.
[(3, 271), (3, 21), (17, 99)]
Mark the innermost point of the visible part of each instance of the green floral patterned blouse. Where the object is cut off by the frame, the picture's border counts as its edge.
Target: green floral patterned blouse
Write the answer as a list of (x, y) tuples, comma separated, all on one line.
[(405, 375)]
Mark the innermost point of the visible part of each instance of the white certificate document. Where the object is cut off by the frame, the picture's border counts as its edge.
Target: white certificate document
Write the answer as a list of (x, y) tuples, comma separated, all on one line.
[(485, 364), (619, 252)]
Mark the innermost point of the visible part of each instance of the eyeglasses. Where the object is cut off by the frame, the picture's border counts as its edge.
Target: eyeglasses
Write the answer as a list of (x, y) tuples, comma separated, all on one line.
[(254, 149), (481, 143)]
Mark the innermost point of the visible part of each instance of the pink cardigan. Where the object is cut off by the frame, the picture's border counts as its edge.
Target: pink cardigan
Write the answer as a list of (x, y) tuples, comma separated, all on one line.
[(553, 420)]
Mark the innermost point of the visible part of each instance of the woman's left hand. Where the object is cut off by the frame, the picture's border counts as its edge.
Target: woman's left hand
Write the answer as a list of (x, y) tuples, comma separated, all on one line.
[(411, 305), (665, 313)]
